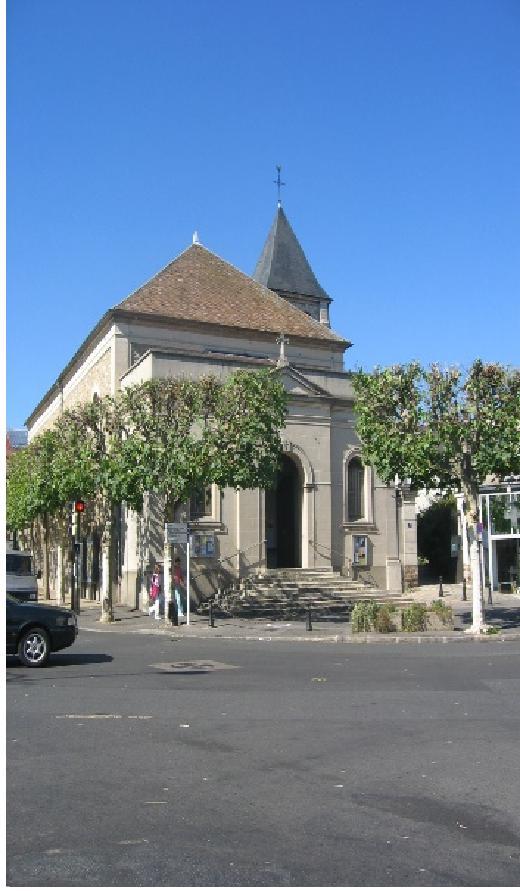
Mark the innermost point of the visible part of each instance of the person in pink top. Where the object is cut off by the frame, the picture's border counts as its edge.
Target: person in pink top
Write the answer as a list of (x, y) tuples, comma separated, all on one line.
[(178, 582), (155, 590)]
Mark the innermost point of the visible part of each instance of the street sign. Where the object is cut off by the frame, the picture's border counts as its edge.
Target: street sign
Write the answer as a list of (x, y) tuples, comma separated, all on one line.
[(176, 533)]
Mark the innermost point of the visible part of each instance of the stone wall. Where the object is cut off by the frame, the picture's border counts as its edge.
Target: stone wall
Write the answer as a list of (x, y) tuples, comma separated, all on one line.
[(96, 380)]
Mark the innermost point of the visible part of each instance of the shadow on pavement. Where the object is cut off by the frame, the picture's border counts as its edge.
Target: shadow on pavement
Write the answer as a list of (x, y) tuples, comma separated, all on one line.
[(65, 659), (500, 616), (503, 617)]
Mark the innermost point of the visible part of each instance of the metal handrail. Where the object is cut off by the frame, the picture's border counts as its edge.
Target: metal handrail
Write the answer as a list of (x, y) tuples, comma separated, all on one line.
[(367, 576), (320, 544), (229, 557)]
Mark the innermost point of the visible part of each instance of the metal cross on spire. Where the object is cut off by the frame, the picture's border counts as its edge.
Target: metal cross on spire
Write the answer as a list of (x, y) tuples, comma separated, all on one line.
[(278, 182)]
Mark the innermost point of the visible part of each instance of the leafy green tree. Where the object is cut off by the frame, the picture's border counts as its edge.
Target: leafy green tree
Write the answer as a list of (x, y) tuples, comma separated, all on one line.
[(169, 436), (244, 441), (33, 492), (442, 429), (187, 434), (98, 462)]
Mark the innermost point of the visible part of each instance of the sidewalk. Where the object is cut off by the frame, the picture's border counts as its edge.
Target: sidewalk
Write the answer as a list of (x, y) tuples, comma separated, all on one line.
[(504, 615)]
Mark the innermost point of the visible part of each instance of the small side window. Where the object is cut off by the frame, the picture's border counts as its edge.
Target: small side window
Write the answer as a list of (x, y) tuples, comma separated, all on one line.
[(355, 490)]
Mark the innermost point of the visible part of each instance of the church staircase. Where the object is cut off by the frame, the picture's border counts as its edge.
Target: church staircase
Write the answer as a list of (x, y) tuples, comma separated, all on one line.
[(279, 594)]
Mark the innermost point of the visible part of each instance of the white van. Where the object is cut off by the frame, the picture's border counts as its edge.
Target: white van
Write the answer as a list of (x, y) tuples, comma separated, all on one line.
[(20, 578)]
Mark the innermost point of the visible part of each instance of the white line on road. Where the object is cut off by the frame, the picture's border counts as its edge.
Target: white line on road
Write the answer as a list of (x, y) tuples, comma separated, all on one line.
[(112, 717)]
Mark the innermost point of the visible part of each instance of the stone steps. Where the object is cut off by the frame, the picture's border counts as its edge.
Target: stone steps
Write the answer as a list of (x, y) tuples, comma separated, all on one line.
[(288, 594)]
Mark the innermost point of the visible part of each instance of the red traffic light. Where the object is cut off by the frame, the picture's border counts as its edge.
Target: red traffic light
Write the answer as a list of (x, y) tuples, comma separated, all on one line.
[(79, 506)]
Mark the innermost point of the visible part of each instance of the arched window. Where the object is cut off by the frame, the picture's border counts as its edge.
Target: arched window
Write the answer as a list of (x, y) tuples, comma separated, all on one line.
[(355, 490)]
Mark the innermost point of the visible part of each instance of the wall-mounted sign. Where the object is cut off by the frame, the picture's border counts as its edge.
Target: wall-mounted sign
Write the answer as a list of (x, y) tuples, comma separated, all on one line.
[(360, 544)]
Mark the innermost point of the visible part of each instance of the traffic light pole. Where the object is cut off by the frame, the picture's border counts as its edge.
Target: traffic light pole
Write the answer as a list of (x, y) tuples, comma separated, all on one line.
[(76, 509), (72, 559)]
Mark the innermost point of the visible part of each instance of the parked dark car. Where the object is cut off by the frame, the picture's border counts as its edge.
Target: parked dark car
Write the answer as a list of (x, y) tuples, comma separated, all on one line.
[(20, 577), (34, 631)]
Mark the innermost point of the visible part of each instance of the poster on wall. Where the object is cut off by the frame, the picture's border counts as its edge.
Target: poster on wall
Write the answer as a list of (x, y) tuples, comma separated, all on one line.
[(360, 550), (203, 544)]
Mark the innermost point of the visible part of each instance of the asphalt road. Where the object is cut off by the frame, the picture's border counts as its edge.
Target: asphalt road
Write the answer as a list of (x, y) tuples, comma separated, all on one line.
[(140, 760)]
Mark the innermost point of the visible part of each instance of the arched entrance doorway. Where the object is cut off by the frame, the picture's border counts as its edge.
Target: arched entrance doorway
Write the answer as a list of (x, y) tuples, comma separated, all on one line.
[(283, 517)]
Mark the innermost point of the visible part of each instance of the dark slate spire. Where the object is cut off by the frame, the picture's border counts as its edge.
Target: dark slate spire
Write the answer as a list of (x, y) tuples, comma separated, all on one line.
[(284, 268)]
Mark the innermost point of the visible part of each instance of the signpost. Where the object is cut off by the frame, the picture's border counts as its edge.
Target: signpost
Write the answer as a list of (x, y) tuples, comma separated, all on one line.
[(176, 533)]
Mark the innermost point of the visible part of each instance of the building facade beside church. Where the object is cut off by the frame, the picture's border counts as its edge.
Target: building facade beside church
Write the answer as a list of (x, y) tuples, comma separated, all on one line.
[(200, 315)]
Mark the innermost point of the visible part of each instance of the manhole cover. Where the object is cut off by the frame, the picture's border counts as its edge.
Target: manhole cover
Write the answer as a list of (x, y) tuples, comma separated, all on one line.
[(195, 666)]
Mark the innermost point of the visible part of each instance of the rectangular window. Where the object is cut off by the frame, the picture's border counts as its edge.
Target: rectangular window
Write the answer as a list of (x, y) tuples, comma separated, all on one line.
[(201, 503)]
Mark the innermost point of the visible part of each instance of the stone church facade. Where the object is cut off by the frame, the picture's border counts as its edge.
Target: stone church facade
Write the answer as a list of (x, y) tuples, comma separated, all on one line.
[(200, 315)]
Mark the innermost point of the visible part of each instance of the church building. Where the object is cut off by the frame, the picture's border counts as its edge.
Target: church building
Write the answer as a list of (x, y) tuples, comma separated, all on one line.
[(200, 315)]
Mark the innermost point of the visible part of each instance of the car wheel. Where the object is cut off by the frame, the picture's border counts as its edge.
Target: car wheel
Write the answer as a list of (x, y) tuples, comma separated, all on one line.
[(34, 648)]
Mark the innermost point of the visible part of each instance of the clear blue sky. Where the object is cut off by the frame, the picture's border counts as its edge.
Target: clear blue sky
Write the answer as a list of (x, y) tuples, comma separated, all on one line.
[(133, 122)]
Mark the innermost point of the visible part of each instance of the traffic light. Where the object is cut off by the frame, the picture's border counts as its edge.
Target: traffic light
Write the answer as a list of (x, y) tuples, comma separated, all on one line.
[(76, 509)]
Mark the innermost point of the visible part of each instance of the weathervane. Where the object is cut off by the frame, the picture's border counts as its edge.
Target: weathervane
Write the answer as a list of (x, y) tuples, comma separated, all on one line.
[(278, 182)]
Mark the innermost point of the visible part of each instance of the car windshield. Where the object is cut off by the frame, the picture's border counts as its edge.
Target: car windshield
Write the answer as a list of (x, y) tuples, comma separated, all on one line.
[(18, 564)]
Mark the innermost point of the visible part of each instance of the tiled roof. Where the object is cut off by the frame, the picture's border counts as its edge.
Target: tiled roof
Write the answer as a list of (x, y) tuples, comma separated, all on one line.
[(198, 286), (282, 265)]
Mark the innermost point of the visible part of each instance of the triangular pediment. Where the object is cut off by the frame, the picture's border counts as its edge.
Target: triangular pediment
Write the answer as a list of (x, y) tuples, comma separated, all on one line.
[(296, 384)]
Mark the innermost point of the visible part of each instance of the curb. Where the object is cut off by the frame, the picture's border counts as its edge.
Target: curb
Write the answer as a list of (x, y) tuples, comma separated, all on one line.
[(310, 637)]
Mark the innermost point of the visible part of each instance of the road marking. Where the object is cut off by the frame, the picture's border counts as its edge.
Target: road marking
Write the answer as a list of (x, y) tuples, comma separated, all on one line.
[(155, 802), (134, 841), (90, 717), (105, 717)]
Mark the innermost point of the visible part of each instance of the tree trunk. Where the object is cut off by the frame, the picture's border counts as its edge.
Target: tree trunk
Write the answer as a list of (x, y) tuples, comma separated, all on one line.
[(471, 516), (107, 557), (167, 573), (45, 550), (143, 526), (60, 592)]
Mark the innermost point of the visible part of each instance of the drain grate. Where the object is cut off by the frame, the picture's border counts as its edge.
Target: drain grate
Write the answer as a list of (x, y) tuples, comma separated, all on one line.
[(194, 666)]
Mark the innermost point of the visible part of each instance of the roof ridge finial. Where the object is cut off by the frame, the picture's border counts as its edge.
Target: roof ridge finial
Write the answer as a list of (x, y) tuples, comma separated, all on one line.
[(195, 238), (278, 182), (282, 358)]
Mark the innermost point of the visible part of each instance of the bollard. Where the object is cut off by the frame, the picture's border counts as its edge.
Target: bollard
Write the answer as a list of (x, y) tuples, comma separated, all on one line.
[(173, 613), (441, 592), (464, 597), (490, 596), (309, 621), (211, 618)]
